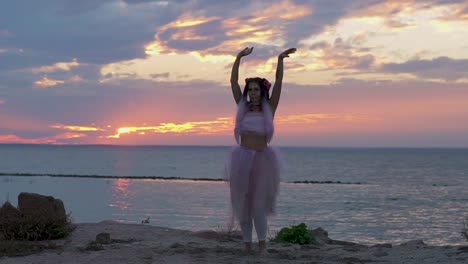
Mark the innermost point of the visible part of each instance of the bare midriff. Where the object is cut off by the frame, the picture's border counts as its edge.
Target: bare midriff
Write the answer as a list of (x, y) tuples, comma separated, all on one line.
[(253, 141)]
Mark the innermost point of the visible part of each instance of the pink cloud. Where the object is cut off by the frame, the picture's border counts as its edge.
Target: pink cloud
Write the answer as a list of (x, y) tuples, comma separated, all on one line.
[(57, 139)]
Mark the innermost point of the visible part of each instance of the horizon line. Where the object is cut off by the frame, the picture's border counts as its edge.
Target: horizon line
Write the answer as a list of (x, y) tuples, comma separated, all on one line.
[(279, 146)]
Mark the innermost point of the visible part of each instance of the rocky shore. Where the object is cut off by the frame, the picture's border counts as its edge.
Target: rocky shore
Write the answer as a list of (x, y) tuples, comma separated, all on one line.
[(112, 242)]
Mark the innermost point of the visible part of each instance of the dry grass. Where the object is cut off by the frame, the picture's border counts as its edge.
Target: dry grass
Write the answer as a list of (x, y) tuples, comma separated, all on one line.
[(35, 228)]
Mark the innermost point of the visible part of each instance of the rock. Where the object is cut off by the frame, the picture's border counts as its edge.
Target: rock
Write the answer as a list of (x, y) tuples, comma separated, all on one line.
[(321, 238), (103, 238), (346, 243), (41, 207), (413, 243), (321, 235)]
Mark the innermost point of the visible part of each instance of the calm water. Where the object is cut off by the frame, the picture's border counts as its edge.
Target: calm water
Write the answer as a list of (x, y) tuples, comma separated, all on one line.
[(404, 193)]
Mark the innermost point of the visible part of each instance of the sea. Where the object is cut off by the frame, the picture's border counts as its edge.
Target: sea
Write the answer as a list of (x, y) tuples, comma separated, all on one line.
[(362, 195)]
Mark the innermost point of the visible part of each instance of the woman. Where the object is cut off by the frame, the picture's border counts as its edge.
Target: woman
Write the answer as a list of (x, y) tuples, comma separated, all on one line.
[(253, 167)]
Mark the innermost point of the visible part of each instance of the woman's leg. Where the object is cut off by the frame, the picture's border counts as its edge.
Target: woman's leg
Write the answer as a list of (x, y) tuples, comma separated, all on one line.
[(261, 226), (246, 228)]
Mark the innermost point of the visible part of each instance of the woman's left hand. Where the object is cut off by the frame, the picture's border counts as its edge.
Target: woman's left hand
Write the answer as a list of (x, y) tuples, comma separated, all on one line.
[(286, 53)]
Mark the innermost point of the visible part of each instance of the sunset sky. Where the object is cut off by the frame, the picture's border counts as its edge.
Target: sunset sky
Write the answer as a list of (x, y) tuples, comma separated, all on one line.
[(366, 73)]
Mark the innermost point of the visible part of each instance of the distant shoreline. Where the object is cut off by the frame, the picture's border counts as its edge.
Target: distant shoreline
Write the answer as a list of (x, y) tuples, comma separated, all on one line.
[(170, 178)]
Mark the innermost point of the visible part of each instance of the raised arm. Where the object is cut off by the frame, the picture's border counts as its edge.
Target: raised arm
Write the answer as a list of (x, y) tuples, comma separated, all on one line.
[(236, 90), (276, 94)]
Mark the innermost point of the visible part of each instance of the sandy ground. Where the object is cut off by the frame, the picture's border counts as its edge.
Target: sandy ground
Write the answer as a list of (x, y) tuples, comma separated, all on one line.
[(139, 243)]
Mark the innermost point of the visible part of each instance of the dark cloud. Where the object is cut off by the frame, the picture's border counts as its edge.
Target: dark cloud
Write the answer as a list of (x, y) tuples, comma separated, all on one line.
[(28, 58), (98, 32), (73, 8), (141, 1), (440, 68)]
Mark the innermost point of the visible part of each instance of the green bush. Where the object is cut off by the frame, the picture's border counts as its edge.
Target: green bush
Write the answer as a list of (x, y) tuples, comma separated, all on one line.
[(295, 234)]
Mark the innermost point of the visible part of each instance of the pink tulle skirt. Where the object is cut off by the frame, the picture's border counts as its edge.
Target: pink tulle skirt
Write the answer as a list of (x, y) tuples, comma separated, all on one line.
[(253, 180)]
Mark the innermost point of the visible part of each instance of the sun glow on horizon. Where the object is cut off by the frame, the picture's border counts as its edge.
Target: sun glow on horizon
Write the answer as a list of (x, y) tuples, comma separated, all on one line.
[(195, 127)]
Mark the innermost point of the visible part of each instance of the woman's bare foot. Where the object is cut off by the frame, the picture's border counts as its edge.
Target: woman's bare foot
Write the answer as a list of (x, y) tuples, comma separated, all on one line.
[(248, 247), (262, 247)]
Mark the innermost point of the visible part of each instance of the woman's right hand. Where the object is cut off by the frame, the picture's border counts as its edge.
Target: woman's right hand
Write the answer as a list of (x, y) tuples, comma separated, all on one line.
[(245, 52)]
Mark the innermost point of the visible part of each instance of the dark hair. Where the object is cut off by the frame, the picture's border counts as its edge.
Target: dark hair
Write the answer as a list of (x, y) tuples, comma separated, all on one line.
[(261, 82)]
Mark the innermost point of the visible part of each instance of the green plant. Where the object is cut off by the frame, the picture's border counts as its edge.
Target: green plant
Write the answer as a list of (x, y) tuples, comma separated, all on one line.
[(295, 234)]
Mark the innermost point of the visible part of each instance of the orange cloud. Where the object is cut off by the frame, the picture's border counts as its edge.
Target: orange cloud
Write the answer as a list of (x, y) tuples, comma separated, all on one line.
[(285, 10), (315, 118), (455, 12), (184, 27), (46, 82), (155, 48), (186, 20), (77, 128), (387, 9), (199, 127), (187, 34), (253, 30), (62, 66)]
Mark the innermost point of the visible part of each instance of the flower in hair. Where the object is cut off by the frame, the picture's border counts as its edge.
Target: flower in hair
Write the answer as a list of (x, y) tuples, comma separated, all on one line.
[(267, 84)]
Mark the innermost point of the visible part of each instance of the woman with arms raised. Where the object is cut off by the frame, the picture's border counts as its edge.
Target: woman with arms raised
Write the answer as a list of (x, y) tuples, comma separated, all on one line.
[(253, 167)]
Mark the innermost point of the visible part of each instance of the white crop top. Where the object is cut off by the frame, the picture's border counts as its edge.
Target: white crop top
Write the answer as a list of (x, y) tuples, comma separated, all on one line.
[(253, 122)]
